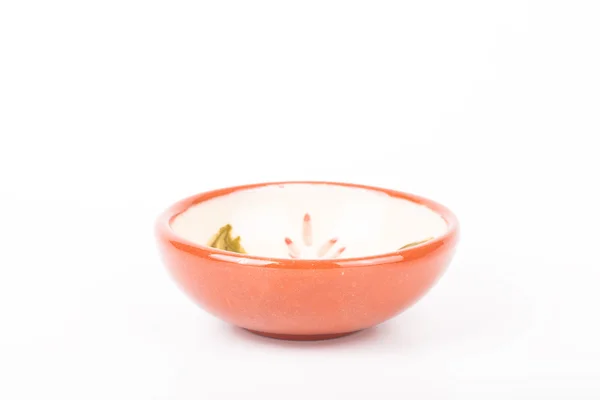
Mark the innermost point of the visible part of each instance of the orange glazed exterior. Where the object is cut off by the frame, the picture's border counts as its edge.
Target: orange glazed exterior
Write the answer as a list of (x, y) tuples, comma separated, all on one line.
[(304, 299)]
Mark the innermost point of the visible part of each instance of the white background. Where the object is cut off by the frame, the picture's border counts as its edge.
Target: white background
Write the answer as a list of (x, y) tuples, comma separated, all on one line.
[(112, 110)]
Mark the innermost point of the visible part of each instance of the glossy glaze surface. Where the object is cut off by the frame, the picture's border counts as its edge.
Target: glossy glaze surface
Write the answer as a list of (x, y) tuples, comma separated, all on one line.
[(297, 220), (304, 298)]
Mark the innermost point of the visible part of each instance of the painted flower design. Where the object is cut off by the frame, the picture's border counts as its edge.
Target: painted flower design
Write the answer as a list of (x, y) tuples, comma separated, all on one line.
[(224, 240), (306, 248)]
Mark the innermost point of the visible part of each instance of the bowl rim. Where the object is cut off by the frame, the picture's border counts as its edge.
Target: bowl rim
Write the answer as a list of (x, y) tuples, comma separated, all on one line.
[(165, 232)]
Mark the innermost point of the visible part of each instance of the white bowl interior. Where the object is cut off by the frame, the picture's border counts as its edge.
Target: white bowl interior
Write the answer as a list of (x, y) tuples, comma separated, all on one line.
[(311, 221)]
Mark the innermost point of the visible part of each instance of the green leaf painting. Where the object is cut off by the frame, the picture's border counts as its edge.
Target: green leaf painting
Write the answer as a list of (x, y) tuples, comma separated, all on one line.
[(224, 241), (415, 243)]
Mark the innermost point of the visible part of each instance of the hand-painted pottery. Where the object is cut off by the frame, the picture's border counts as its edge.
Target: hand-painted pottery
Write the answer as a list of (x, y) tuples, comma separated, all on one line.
[(306, 260)]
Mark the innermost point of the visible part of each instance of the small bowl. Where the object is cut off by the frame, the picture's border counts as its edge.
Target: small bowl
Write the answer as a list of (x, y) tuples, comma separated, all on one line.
[(321, 259)]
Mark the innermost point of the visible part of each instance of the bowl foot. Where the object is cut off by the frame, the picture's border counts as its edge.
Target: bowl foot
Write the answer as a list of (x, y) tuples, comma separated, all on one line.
[(282, 336)]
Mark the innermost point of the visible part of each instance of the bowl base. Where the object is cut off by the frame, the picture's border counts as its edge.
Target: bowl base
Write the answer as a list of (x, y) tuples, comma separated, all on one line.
[(283, 336)]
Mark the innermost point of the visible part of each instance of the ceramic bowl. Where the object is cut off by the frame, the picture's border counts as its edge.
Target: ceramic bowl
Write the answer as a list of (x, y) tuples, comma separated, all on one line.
[(306, 260)]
